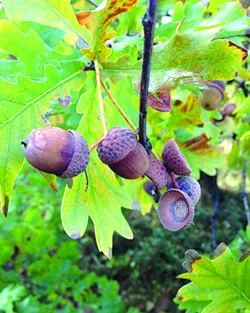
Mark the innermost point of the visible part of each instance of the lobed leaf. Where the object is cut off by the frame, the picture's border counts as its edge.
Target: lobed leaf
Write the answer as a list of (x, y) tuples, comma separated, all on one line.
[(222, 281), (21, 106), (104, 198), (54, 13), (98, 21)]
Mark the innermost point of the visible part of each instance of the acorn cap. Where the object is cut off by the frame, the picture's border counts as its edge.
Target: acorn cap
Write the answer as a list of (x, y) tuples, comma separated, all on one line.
[(219, 84), (175, 210), (157, 172), (118, 142), (80, 158), (190, 186), (174, 160)]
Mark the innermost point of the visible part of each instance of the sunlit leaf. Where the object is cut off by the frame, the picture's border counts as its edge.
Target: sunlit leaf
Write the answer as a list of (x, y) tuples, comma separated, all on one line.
[(98, 22)]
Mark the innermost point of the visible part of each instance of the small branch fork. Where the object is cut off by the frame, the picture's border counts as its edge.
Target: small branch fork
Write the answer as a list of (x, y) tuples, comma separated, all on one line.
[(148, 26)]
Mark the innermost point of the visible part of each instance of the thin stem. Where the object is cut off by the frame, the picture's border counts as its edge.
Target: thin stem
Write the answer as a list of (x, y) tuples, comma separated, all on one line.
[(92, 2), (102, 115), (148, 26), (171, 174), (244, 195), (96, 144), (124, 115)]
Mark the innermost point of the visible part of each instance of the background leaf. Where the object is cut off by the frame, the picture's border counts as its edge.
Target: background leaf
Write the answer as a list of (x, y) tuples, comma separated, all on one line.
[(223, 281), (58, 14)]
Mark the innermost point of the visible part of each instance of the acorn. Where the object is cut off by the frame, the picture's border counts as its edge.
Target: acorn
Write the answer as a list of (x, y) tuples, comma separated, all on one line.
[(121, 151), (157, 173), (56, 151), (228, 109), (175, 210), (190, 186), (149, 188), (174, 160), (213, 94)]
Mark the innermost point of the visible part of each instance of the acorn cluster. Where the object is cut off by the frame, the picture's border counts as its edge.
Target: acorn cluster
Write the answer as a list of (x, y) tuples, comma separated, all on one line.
[(66, 154)]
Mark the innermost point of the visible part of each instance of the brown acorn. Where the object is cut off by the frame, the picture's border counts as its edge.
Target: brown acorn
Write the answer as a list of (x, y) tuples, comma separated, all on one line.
[(175, 210), (57, 151), (213, 94), (121, 151), (190, 186), (157, 173), (174, 160)]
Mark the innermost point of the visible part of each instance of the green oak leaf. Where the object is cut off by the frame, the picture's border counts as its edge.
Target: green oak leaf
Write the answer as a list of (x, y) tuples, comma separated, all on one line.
[(222, 281), (184, 59), (21, 106), (104, 198), (54, 13), (30, 54)]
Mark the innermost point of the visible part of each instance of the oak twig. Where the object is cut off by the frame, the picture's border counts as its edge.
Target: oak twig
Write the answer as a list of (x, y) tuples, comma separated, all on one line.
[(243, 194), (148, 26)]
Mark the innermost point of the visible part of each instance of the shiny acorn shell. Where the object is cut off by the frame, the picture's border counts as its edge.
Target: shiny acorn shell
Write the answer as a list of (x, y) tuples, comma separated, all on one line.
[(56, 151)]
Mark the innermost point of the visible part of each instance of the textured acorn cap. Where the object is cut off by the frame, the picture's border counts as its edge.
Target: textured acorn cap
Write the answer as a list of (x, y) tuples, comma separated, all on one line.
[(174, 160), (80, 158), (175, 210), (220, 84), (190, 186), (118, 142), (157, 172)]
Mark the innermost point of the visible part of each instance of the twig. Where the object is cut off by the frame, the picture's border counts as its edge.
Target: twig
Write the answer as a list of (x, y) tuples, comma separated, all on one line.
[(101, 105), (124, 115), (92, 2), (216, 207), (148, 26), (243, 194)]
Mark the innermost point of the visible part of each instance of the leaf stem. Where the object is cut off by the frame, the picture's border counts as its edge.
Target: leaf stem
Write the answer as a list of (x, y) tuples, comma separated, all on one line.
[(148, 26), (124, 115), (96, 144), (101, 105)]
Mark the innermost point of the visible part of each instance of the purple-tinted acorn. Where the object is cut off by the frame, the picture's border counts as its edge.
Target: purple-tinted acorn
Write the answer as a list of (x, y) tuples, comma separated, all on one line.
[(190, 186), (228, 109), (175, 210), (213, 95), (174, 160), (149, 188), (121, 151), (157, 173), (57, 151)]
